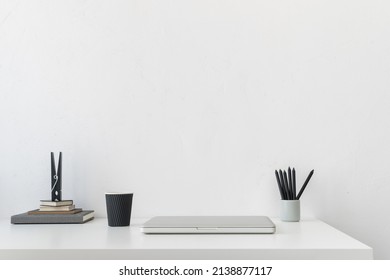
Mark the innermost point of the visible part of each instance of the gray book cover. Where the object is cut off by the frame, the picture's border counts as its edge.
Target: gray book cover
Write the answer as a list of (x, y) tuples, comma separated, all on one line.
[(78, 218)]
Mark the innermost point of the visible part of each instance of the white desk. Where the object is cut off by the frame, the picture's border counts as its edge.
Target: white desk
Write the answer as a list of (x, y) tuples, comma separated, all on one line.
[(308, 239)]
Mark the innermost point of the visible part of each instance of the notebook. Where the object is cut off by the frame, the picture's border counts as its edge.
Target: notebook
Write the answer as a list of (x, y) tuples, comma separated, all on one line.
[(208, 224)]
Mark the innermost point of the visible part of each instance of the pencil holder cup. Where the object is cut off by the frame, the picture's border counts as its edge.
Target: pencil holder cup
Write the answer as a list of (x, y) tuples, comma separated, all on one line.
[(290, 210)]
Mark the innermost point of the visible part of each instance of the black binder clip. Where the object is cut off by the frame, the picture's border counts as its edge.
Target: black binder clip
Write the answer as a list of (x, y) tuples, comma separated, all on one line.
[(56, 179)]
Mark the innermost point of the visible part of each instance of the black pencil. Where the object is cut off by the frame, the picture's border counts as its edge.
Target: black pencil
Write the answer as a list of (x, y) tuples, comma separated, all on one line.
[(305, 184), (282, 184), (279, 185), (286, 185), (294, 184), (290, 183)]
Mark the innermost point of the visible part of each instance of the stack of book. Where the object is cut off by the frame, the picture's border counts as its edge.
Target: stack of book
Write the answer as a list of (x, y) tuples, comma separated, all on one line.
[(64, 207), (54, 212)]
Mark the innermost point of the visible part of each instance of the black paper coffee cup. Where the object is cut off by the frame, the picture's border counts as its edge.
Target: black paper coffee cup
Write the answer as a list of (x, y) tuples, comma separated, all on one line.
[(119, 209)]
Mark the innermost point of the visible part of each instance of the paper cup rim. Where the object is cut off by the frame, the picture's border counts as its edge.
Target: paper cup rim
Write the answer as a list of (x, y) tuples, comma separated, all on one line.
[(117, 193)]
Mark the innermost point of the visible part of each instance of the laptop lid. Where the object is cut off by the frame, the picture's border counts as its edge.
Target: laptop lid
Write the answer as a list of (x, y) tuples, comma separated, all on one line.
[(208, 224)]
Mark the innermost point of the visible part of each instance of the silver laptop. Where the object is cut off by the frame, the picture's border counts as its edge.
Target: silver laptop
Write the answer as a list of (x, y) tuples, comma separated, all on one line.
[(208, 224)]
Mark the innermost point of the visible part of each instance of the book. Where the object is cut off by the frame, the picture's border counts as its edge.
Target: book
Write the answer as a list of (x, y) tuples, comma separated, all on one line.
[(78, 218), (41, 212), (57, 208), (56, 203)]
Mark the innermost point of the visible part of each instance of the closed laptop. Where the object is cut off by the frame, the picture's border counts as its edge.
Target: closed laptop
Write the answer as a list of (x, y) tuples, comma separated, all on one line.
[(208, 224)]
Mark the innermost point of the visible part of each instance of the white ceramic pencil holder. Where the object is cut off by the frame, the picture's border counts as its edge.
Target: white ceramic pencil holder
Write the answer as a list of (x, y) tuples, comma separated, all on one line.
[(290, 210)]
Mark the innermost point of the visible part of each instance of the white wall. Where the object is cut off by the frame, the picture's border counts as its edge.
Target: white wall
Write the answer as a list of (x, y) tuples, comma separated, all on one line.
[(193, 104)]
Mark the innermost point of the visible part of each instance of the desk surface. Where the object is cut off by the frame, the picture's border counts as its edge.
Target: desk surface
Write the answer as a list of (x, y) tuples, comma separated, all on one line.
[(308, 239)]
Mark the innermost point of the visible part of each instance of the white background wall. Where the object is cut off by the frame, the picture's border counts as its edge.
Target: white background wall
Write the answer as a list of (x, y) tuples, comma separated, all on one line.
[(193, 104)]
